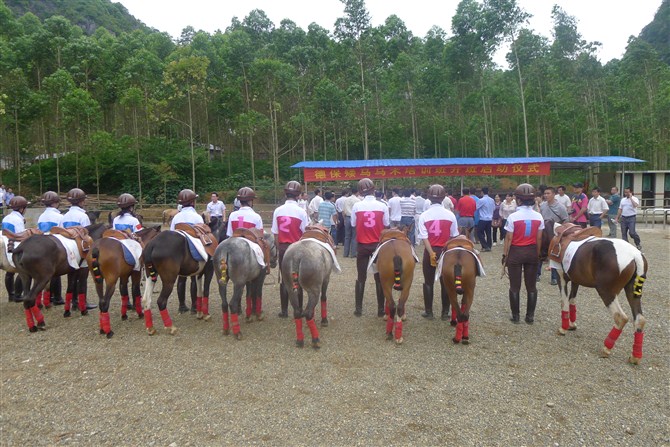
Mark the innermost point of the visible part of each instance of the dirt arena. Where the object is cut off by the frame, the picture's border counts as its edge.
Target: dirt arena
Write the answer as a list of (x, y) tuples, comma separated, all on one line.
[(513, 385)]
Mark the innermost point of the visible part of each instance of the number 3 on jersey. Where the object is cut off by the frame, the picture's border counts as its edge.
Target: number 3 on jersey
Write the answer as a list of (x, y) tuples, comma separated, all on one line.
[(370, 221)]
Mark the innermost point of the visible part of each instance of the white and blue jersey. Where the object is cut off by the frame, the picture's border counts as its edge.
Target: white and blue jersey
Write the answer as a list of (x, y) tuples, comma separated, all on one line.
[(76, 216), (127, 222), (50, 218), (14, 222), (188, 215)]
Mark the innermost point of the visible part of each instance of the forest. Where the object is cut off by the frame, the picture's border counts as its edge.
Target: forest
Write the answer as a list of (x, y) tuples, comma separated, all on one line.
[(129, 109)]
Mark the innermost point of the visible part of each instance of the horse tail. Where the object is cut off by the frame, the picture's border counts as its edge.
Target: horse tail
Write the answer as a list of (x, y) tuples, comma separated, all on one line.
[(97, 274), (640, 274), (397, 272), (458, 280), (148, 262), (224, 270)]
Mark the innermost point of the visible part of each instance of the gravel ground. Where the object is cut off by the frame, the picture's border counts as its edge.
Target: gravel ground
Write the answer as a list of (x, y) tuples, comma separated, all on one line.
[(513, 385)]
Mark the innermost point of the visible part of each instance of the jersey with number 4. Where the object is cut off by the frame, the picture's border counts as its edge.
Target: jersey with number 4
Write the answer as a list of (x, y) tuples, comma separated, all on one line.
[(369, 217), (289, 222), (245, 217), (438, 225)]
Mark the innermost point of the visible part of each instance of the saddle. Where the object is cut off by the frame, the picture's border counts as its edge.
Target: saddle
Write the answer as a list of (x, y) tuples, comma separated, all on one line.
[(320, 233), (202, 232), (459, 241), (118, 234), (393, 233), (18, 237), (256, 236), (567, 233), (79, 235)]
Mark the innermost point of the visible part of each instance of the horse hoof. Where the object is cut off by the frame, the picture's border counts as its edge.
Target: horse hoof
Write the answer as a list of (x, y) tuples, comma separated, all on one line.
[(248, 319), (465, 341), (206, 317), (140, 316), (572, 327), (386, 317), (226, 332), (316, 343), (561, 331), (102, 332), (260, 316), (300, 343), (455, 340), (398, 341), (151, 330), (389, 336), (33, 329), (66, 314), (605, 353), (634, 360), (199, 315), (324, 322), (124, 317), (454, 323), (238, 336), (41, 326), (171, 330), (84, 313), (404, 317), (110, 334)]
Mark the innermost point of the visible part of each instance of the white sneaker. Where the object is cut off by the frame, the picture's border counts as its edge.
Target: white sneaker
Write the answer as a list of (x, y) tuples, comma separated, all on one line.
[(495, 243)]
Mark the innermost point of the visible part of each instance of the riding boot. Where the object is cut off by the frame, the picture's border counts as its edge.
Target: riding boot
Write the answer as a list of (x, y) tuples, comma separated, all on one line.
[(9, 285), (427, 301), (18, 289), (514, 306), (360, 289), (55, 289), (380, 296), (181, 294), (283, 300), (445, 303), (530, 307)]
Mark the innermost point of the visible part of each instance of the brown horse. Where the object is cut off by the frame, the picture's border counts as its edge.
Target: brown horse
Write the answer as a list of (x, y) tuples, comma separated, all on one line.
[(106, 262), (460, 269), (168, 215), (609, 266), (395, 263)]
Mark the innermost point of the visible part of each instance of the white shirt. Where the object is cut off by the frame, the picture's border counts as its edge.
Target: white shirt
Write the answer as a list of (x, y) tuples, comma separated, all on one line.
[(244, 217), (127, 222), (394, 209), (76, 216), (14, 222), (597, 205), (188, 215), (628, 206), (349, 204), (565, 200), (313, 206), (339, 204), (448, 204), (50, 218), (302, 203), (217, 209)]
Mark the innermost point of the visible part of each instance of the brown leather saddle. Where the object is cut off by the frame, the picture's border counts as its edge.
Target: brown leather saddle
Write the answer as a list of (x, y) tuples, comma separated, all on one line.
[(566, 233), (79, 235), (459, 241), (256, 236), (320, 233), (118, 234), (202, 232), (18, 237), (393, 233)]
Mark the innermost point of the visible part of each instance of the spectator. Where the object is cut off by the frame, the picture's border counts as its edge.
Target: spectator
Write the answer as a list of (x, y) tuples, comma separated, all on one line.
[(613, 202), (597, 208), (628, 215), (327, 215), (579, 206)]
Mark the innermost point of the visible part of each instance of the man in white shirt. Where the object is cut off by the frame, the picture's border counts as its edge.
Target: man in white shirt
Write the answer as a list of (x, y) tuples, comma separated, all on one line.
[(597, 208), (563, 198), (628, 215), (216, 210), (313, 207), (394, 208), (339, 207)]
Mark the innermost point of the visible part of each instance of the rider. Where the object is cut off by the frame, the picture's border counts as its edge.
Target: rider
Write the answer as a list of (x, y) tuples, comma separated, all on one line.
[(436, 226), (50, 218), (126, 219), (16, 223), (522, 250), (288, 224), (369, 217), (245, 217)]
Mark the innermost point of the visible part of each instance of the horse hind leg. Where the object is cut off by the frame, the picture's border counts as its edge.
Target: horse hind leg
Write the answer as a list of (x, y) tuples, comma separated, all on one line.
[(146, 300), (103, 316), (620, 320), (634, 295), (568, 307), (34, 317), (324, 303), (312, 299)]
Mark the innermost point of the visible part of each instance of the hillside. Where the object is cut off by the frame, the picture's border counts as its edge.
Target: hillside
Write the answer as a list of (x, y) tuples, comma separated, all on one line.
[(87, 14), (657, 33)]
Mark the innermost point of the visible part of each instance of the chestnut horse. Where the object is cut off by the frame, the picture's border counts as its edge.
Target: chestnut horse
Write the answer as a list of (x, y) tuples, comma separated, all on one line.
[(395, 263), (106, 262), (460, 268), (609, 266)]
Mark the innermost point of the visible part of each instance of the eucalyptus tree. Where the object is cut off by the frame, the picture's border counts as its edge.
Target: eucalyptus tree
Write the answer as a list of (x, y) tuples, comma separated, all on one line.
[(57, 87)]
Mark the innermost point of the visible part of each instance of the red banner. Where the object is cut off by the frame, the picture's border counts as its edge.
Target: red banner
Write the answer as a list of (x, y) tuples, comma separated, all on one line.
[(343, 174)]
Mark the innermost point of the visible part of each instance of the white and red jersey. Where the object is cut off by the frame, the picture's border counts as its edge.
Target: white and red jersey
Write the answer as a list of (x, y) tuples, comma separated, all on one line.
[(438, 225), (245, 217), (289, 222), (369, 217), (524, 223)]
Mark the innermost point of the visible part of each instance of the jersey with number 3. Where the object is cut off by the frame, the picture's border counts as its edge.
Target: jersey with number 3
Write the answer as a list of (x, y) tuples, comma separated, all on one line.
[(524, 225), (369, 217), (245, 217), (438, 225), (289, 222)]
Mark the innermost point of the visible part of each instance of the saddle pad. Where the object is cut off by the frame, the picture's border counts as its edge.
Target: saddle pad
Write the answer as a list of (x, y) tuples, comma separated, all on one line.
[(5, 241), (258, 251), (195, 245), (336, 265), (438, 270), (132, 250), (372, 265), (72, 251), (570, 251)]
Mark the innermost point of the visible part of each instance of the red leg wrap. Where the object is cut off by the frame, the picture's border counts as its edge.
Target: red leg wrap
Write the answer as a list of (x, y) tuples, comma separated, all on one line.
[(38, 299), (573, 313), (324, 310), (259, 305), (312, 329), (29, 318), (205, 305), (398, 330), (637, 344), (124, 305), (612, 338), (148, 319), (389, 325), (138, 305), (167, 321), (68, 301), (459, 332), (565, 320), (198, 304), (47, 299), (236, 323), (82, 302), (226, 323), (37, 313), (466, 329), (250, 306), (104, 322), (298, 329)]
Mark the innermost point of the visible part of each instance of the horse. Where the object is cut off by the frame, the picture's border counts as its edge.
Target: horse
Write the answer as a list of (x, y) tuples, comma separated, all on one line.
[(460, 268), (40, 258), (307, 265), (93, 216), (236, 261), (395, 264), (168, 215), (106, 263), (609, 266)]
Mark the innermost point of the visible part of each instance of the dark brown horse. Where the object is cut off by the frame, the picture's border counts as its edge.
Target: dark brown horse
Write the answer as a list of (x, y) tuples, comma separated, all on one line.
[(609, 266), (460, 269), (106, 262), (395, 264)]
